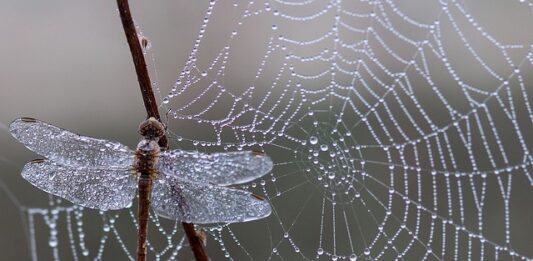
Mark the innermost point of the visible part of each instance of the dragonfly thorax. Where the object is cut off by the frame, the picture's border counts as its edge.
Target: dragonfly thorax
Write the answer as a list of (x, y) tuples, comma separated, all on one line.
[(146, 146), (146, 158)]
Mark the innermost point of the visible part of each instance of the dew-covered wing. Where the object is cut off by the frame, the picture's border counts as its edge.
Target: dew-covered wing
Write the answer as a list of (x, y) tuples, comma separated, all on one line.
[(68, 148), (218, 168), (96, 188), (191, 202)]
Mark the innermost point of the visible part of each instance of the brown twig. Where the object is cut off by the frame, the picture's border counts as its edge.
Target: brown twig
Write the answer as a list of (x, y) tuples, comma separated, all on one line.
[(196, 243), (151, 105)]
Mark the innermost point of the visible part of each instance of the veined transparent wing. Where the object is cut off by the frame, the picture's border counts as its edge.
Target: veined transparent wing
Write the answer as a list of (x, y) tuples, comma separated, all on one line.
[(191, 202), (218, 168), (97, 188), (68, 148)]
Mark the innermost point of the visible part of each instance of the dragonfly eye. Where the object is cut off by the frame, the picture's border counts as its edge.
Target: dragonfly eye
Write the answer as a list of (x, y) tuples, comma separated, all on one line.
[(151, 129)]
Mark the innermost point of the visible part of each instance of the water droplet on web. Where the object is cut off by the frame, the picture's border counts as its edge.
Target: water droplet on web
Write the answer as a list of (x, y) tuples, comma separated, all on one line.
[(313, 140), (323, 147), (353, 257), (320, 251), (53, 242)]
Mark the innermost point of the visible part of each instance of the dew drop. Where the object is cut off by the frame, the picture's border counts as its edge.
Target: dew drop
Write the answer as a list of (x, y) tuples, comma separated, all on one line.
[(53, 242), (313, 140), (320, 251), (145, 43), (323, 147)]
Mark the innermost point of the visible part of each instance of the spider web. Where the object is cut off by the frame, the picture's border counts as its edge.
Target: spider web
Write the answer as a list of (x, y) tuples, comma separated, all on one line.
[(398, 131)]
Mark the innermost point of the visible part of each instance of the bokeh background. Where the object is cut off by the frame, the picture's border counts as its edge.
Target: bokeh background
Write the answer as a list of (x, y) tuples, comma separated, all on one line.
[(67, 63)]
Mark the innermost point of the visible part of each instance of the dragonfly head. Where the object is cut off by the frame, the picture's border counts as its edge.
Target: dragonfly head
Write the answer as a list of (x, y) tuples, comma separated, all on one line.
[(152, 129)]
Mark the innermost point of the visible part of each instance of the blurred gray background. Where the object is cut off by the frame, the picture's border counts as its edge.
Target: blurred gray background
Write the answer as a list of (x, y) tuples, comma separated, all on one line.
[(67, 63)]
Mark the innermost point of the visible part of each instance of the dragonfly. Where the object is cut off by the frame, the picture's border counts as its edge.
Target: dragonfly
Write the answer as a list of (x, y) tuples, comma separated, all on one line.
[(187, 186)]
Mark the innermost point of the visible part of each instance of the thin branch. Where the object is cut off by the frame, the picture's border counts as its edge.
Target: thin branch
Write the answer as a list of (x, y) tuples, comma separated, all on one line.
[(195, 242), (151, 105), (138, 59)]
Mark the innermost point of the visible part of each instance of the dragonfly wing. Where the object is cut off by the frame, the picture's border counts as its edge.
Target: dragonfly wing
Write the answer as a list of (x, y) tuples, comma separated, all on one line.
[(68, 148), (97, 188), (191, 202), (218, 168)]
